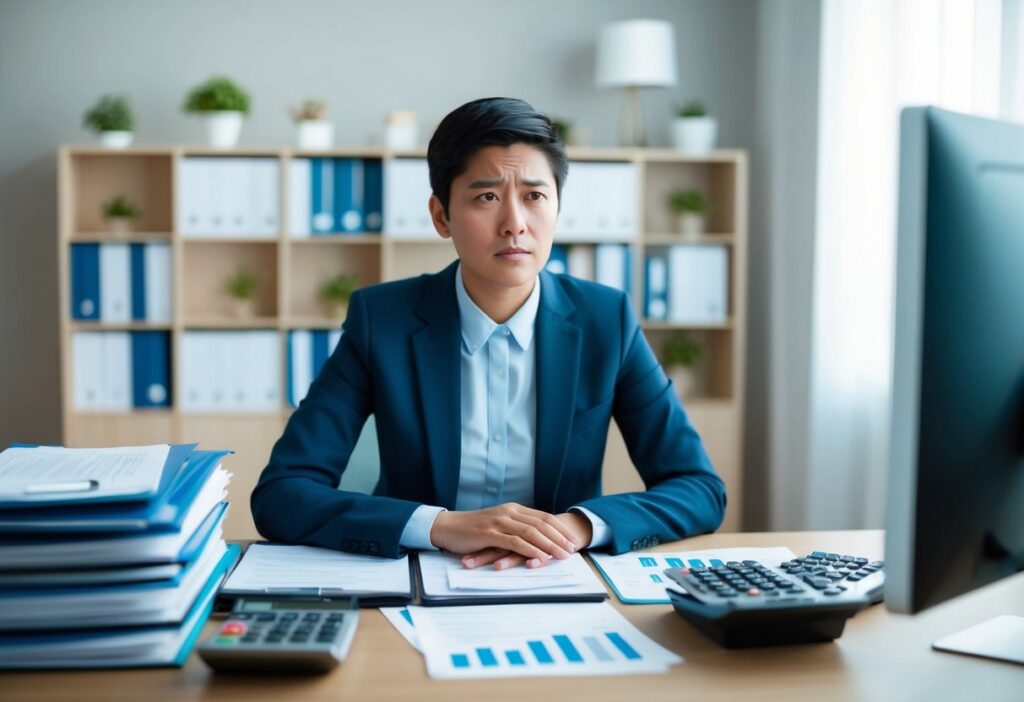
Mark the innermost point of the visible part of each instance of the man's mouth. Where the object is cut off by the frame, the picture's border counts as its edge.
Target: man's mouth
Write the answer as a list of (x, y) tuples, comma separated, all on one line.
[(513, 252)]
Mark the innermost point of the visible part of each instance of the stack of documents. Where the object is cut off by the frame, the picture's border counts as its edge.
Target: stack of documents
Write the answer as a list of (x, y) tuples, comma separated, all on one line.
[(529, 640), (108, 557)]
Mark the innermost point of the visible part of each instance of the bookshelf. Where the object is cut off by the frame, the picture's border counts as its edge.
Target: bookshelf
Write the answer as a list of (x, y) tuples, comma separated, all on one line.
[(291, 270)]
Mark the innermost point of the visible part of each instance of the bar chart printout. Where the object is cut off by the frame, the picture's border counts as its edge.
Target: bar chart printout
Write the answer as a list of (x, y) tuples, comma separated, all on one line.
[(534, 640)]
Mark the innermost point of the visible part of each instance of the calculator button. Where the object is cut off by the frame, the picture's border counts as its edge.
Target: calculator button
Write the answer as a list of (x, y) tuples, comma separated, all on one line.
[(233, 628), (289, 616), (227, 640), (248, 615), (335, 617), (266, 617), (250, 638), (312, 617), (833, 591)]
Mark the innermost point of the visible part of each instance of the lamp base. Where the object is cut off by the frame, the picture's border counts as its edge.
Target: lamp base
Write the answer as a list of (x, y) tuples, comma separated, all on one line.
[(631, 123)]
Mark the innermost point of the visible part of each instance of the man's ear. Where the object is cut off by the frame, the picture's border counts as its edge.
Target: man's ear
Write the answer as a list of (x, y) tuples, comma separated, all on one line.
[(437, 217)]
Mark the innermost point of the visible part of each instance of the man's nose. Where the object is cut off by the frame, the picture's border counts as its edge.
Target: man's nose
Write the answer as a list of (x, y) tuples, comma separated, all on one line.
[(513, 221)]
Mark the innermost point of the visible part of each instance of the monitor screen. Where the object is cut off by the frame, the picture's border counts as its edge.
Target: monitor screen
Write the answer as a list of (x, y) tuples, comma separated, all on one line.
[(955, 504)]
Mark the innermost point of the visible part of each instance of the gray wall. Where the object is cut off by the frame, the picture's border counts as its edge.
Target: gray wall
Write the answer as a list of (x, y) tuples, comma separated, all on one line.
[(363, 58)]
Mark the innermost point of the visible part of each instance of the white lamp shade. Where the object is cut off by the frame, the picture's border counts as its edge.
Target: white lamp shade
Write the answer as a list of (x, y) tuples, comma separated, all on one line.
[(640, 52)]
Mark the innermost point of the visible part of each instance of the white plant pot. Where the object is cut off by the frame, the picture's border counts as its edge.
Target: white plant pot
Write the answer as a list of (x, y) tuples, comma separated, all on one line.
[(690, 224), (315, 134), (694, 135), (223, 128), (401, 136), (120, 227), (116, 140)]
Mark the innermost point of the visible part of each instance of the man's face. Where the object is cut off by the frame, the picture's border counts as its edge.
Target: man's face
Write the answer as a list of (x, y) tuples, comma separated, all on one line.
[(501, 217)]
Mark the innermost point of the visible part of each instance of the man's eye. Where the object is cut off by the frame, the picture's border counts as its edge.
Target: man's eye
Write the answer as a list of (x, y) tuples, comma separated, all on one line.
[(487, 197), (536, 195)]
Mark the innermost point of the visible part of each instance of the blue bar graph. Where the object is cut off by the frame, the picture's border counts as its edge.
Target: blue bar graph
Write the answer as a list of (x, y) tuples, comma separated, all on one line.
[(486, 657), (620, 643), (540, 652), (656, 578), (696, 563), (460, 660), (675, 562), (405, 615), (717, 563), (571, 654), (646, 562), (515, 658)]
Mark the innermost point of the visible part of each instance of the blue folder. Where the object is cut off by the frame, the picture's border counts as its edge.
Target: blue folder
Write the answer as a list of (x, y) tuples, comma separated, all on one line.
[(176, 456), (373, 193), (151, 368), (164, 513), (190, 627), (85, 281), (138, 267)]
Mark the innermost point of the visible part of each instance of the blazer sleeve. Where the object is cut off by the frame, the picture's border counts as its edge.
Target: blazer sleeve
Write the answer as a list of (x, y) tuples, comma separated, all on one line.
[(296, 499), (684, 495)]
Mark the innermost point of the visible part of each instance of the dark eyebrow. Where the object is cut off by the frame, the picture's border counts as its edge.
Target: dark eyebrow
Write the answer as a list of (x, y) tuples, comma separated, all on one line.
[(498, 181)]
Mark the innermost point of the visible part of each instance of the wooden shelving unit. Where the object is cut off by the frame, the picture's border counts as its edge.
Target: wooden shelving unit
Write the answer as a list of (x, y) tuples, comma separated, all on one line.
[(291, 270)]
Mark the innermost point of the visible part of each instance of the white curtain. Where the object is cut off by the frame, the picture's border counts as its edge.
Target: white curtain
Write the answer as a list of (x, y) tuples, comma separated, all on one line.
[(878, 56)]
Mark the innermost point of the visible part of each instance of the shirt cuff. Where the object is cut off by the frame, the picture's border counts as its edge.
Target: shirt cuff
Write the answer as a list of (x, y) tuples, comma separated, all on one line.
[(416, 534), (601, 533)]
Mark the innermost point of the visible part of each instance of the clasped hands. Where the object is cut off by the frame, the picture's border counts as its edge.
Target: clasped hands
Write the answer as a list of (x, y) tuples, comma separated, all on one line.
[(509, 535)]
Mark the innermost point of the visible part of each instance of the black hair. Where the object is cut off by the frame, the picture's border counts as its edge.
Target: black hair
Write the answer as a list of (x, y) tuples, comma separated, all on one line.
[(494, 121)]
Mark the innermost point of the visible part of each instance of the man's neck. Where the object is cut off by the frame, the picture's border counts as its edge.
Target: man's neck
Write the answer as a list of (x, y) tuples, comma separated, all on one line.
[(498, 303)]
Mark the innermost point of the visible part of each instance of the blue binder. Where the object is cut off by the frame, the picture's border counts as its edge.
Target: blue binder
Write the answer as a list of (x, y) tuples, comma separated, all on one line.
[(162, 514), (151, 369), (373, 194), (322, 200), (85, 281), (176, 456), (47, 647), (138, 265), (558, 261), (349, 207)]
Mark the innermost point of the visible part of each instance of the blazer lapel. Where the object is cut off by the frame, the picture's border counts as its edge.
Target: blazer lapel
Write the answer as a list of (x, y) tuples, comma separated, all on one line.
[(436, 354), (558, 360)]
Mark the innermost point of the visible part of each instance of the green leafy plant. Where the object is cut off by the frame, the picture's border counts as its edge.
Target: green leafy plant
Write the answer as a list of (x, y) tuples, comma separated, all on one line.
[(219, 93), (562, 128), (338, 288), (692, 109), (681, 351), (310, 110), (119, 207), (111, 113), (242, 285), (681, 201)]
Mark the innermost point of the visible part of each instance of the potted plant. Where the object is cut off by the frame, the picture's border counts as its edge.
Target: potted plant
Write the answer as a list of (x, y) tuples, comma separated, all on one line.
[(680, 356), (563, 128), (120, 216), (313, 129), (242, 288), (693, 131), (689, 208), (111, 117), (223, 103), (335, 294)]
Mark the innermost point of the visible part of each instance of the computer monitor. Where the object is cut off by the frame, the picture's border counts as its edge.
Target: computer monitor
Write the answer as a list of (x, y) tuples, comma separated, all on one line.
[(955, 511)]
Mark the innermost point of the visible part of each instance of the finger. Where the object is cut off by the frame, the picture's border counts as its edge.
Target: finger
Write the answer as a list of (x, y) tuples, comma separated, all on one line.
[(483, 557), (517, 544), (554, 535), (510, 561), (529, 529), (555, 523)]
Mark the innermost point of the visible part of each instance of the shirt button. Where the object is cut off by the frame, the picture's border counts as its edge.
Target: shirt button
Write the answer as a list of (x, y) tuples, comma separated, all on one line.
[(497, 437), (491, 490), (505, 331)]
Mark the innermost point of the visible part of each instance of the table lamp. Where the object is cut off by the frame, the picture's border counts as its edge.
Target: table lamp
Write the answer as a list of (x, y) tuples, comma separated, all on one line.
[(634, 54)]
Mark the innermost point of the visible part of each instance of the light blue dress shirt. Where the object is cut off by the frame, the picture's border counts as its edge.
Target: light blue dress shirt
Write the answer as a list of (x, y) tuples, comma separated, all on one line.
[(499, 417)]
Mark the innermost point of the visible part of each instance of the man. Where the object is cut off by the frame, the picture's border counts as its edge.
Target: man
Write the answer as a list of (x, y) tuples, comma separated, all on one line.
[(493, 384)]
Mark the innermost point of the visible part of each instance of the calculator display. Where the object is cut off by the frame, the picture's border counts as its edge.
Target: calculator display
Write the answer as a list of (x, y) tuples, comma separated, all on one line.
[(278, 605)]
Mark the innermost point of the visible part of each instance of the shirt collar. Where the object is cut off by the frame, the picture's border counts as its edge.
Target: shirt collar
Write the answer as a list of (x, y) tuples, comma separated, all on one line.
[(477, 327)]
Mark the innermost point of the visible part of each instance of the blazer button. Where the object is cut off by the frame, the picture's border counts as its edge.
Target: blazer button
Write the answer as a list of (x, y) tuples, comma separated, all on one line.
[(635, 546), (655, 540)]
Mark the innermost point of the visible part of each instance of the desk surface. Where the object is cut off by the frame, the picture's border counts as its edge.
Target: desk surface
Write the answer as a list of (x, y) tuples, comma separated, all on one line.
[(880, 656)]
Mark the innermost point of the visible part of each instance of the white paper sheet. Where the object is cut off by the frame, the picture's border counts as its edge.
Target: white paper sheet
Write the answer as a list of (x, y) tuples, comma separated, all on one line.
[(277, 568), (534, 640), (400, 618), (639, 577), (39, 474), (572, 577)]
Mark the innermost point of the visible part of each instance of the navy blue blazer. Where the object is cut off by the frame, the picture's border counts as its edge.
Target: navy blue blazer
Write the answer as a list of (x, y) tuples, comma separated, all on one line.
[(398, 359)]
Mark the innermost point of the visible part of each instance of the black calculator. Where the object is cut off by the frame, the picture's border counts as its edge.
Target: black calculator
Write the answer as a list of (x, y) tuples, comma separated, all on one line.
[(808, 599), (283, 634)]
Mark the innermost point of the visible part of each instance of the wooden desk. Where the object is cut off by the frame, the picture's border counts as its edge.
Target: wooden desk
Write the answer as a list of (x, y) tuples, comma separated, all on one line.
[(881, 656)]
